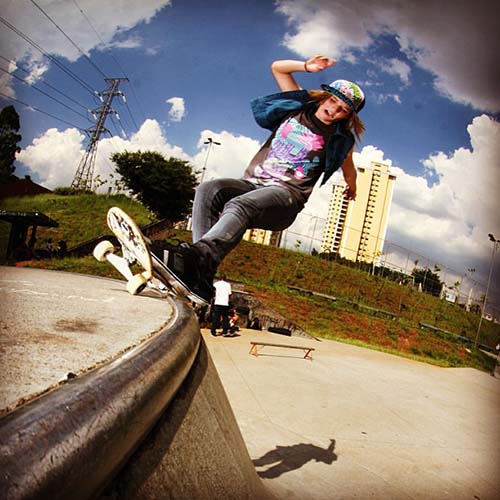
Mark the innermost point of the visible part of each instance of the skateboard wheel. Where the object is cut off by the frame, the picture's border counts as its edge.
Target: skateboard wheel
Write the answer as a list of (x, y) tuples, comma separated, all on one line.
[(137, 284), (103, 248)]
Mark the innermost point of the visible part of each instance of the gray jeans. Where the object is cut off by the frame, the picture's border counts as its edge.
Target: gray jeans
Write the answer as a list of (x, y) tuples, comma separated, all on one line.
[(225, 208)]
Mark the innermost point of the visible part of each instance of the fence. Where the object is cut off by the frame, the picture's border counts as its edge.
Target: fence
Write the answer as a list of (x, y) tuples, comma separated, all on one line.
[(406, 266)]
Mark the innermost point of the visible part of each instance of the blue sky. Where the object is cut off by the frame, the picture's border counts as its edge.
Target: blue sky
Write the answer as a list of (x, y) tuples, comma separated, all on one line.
[(430, 77)]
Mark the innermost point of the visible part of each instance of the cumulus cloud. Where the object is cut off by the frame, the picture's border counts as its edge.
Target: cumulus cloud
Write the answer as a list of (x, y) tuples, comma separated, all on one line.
[(7, 85), (227, 160), (111, 20), (397, 67), (131, 42), (463, 58), (177, 108), (53, 158), (453, 216)]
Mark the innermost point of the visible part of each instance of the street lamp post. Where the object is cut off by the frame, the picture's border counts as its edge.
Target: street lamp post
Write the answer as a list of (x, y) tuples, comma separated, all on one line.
[(210, 142), (495, 244)]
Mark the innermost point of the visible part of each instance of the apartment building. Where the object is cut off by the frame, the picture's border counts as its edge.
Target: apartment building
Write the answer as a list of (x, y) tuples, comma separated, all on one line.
[(263, 237), (356, 230)]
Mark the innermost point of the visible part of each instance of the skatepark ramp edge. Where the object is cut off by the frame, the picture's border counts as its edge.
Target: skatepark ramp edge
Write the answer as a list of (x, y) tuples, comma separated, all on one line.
[(153, 423)]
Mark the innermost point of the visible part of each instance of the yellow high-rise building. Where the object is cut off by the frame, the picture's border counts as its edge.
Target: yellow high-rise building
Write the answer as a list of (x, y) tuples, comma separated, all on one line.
[(356, 230), (263, 237)]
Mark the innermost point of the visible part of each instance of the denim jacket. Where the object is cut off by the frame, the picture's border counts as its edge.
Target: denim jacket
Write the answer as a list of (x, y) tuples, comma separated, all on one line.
[(269, 111)]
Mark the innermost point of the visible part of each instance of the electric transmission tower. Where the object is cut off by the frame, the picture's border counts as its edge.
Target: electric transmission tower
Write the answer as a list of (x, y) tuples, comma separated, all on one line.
[(84, 176)]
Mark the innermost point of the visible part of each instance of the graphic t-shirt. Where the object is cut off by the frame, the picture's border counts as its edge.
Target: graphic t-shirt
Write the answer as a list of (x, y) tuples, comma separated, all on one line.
[(293, 156)]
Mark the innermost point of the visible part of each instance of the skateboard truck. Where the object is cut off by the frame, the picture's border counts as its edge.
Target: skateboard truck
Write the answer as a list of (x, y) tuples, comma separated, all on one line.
[(136, 283)]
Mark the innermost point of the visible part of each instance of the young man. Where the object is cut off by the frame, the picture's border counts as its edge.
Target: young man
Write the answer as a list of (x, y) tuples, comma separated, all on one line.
[(220, 308), (313, 134)]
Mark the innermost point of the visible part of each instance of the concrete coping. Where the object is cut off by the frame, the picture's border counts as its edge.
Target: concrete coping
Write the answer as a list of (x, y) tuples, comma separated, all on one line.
[(69, 442)]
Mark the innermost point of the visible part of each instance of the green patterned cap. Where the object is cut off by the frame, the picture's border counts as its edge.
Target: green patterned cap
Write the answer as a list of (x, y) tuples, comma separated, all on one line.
[(348, 91)]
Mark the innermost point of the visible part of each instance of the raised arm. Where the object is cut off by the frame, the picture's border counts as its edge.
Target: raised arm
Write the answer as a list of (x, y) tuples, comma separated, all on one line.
[(282, 70), (350, 174)]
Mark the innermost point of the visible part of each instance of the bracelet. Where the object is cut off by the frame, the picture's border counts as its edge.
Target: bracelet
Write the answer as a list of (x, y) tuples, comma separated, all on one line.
[(305, 67)]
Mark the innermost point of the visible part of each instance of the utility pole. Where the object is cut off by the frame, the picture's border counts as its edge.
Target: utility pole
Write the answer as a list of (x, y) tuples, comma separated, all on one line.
[(495, 245), (210, 142), (84, 176)]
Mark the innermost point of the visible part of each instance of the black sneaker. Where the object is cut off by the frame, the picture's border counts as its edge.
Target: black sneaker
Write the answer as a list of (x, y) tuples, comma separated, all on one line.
[(185, 270)]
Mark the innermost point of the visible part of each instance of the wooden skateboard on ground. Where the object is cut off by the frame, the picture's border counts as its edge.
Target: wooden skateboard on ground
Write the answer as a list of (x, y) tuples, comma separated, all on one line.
[(135, 250)]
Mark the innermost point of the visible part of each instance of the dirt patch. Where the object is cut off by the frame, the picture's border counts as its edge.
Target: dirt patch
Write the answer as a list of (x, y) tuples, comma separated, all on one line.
[(76, 326)]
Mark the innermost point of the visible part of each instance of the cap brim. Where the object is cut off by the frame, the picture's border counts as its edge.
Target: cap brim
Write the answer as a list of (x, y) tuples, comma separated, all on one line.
[(338, 94)]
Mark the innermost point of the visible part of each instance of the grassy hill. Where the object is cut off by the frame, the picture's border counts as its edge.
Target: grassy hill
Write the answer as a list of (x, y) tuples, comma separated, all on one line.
[(80, 217), (269, 272)]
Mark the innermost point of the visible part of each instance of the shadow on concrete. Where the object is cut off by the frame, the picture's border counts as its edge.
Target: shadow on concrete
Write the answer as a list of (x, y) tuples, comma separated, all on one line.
[(288, 458)]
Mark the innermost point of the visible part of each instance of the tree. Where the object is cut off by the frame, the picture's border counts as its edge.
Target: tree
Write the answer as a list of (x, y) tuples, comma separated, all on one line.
[(165, 186), (9, 126), (431, 283)]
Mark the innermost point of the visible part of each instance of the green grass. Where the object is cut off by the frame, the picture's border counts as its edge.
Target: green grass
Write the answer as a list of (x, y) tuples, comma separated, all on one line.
[(80, 217), (267, 272)]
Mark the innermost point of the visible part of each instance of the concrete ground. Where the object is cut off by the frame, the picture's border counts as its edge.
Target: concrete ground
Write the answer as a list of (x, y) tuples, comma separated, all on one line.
[(54, 325), (356, 423), (352, 423)]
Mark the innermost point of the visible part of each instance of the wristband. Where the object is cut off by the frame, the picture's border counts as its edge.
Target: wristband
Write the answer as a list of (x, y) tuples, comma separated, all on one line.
[(305, 67)]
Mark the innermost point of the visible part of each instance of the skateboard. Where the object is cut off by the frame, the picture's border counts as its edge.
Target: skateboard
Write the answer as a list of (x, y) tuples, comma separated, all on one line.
[(135, 250)]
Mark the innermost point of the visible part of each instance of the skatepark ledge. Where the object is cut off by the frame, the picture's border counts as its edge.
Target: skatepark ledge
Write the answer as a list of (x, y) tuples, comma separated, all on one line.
[(154, 422)]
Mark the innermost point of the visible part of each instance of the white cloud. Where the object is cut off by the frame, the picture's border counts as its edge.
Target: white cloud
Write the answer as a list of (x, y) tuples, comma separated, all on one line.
[(110, 19), (227, 160), (463, 57), (7, 85), (450, 220), (54, 156), (131, 42), (36, 70), (397, 67), (381, 98), (177, 109)]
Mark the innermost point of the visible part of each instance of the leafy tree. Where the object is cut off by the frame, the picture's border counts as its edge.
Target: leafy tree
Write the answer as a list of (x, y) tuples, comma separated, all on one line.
[(9, 126), (165, 186), (431, 283)]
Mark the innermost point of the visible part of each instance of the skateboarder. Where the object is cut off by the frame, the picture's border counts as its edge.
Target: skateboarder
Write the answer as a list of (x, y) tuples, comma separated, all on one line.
[(313, 134)]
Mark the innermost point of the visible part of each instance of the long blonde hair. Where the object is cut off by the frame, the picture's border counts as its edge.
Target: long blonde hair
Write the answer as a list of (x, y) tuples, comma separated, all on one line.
[(354, 123)]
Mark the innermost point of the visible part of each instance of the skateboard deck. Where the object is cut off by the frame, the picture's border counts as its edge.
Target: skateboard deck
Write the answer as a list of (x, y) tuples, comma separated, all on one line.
[(135, 250)]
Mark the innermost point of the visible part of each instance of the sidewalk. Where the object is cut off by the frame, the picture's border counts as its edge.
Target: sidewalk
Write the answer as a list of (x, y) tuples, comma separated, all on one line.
[(357, 423)]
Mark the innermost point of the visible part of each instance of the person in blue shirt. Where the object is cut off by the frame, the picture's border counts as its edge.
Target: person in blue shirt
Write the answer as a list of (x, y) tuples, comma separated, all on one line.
[(313, 133)]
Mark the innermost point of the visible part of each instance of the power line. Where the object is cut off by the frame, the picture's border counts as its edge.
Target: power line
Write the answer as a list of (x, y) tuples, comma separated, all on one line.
[(69, 39), (45, 83), (61, 66), (42, 111), (34, 87), (131, 115), (116, 61), (116, 127)]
